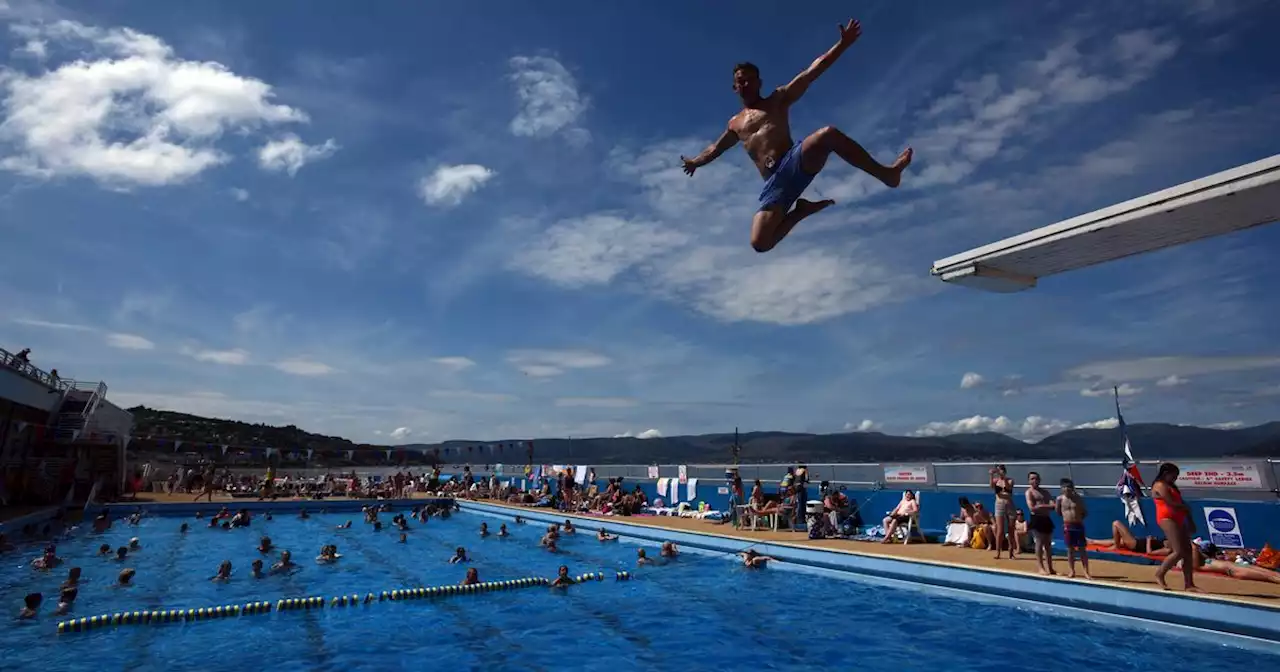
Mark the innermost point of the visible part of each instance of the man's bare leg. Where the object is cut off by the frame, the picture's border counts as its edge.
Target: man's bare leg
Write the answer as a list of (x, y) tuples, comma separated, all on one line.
[(830, 140), (770, 226)]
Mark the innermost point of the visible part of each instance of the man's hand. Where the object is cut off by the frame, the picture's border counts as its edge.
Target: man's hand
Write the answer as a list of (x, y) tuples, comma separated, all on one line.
[(850, 32), (690, 165)]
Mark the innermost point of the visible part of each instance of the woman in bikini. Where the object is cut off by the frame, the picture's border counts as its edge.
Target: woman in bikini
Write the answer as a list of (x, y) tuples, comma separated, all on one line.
[(1003, 487), (1122, 538), (1174, 519)]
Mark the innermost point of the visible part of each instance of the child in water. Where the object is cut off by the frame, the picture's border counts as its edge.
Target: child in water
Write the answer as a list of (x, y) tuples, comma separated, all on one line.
[(459, 556)]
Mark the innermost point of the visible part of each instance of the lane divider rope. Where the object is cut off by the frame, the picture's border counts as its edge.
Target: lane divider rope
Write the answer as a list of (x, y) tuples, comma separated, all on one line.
[(87, 623)]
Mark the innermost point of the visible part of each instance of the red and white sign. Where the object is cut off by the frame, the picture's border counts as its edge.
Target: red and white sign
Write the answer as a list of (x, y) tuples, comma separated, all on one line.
[(1215, 475), (684, 474), (906, 474)]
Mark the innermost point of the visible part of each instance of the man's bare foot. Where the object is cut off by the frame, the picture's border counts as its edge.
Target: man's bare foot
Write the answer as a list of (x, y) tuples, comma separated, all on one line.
[(1052, 573), (1071, 574), (805, 208), (1160, 582), (1044, 571), (893, 177), (1089, 576)]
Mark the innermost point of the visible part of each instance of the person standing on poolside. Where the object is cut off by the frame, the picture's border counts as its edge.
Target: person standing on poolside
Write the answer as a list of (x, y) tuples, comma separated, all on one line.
[(763, 126), (1003, 487), (1073, 510), (1041, 506), (1175, 520)]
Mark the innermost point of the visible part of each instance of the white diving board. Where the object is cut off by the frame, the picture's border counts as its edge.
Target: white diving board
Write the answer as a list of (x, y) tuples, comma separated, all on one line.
[(1225, 202)]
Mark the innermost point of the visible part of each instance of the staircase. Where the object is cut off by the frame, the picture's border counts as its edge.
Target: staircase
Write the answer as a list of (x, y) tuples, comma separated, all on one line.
[(79, 402)]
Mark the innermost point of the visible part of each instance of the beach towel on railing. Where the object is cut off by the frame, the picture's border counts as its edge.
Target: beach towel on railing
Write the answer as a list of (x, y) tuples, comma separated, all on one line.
[(692, 488), (662, 487)]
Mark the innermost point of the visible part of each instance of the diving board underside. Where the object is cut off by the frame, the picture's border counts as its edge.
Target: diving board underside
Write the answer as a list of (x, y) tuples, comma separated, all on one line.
[(1226, 202)]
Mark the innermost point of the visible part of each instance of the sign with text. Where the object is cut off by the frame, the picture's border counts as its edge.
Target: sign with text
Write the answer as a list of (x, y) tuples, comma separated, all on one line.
[(1224, 527), (684, 474), (653, 471), (1220, 475), (906, 474)]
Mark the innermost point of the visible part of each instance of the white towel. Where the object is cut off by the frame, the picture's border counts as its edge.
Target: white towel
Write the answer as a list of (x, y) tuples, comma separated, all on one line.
[(674, 491), (693, 489), (957, 534), (662, 487), (580, 475)]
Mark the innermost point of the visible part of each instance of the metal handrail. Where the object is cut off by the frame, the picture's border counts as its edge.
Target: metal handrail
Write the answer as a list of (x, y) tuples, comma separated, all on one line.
[(29, 370)]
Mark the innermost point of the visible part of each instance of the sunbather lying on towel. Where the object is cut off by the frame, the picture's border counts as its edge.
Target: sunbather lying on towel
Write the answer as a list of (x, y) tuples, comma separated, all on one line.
[(1210, 559), (1123, 539)]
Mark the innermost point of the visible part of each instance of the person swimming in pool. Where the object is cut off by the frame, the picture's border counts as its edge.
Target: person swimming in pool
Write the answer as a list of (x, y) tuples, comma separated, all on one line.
[(603, 535), (122, 553), (66, 600), (125, 578), (265, 546), (562, 579), (224, 572), (459, 555), (569, 528), (753, 560), (502, 531), (48, 560), (484, 529), (104, 550), (344, 526), (285, 565), (643, 559), (763, 126), (669, 550), (472, 578), (255, 569), (30, 606)]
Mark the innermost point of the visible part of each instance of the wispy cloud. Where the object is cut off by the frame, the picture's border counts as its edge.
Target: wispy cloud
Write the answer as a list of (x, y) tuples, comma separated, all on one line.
[(129, 342), (549, 99), (303, 367), (289, 153), (548, 363), (236, 357)]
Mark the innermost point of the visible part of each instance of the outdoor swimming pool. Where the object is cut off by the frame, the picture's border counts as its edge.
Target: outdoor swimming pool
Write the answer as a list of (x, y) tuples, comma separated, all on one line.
[(700, 612)]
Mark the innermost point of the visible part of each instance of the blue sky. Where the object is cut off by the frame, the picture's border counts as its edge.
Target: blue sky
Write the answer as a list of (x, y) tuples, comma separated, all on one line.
[(425, 221)]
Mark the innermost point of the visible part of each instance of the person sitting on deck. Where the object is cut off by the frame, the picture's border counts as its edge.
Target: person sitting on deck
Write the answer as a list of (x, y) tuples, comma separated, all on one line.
[(1123, 538), (901, 514)]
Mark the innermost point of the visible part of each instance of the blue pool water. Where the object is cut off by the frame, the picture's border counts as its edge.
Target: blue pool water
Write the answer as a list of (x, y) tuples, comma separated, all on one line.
[(700, 612)]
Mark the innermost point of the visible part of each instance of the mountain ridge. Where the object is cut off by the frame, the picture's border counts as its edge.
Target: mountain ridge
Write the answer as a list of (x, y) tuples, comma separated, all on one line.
[(1150, 441)]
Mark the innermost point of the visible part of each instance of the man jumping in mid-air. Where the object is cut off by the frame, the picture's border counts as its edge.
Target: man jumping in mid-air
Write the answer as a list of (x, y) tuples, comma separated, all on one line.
[(764, 129)]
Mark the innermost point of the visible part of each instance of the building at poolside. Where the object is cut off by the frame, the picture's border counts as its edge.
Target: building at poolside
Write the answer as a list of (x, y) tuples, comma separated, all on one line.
[(59, 437)]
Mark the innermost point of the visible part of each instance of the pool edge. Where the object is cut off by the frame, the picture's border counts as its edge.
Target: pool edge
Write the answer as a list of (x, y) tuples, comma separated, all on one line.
[(1208, 613)]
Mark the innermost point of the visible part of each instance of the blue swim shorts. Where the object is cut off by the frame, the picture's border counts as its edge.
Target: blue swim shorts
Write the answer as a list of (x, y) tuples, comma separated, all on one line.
[(787, 183)]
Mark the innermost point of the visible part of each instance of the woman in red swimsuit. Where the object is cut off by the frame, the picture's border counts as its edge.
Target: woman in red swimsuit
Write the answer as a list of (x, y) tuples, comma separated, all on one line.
[(1174, 519)]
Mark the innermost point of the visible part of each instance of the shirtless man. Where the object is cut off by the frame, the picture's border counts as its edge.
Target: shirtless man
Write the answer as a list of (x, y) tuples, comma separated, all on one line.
[(1041, 505), (1073, 510), (764, 128)]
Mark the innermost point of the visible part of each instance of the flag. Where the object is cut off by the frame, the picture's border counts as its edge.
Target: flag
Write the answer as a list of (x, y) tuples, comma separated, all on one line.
[(1129, 488)]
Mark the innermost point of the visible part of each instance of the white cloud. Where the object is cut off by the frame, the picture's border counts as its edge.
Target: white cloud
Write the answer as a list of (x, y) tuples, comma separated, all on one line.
[(234, 357), (1031, 428), (594, 250), (400, 433), (1105, 423), (43, 324), (1234, 424), (549, 99), (126, 111), (1155, 368), (455, 363), (646, 434), (548, 363), (1123, 390), (449, 185), (864, 426), (303, 367), (239, 194), (129, 342), (1171, 381), (982, 117), (971, 380), (596, 402), (470, 395), (289, 153)]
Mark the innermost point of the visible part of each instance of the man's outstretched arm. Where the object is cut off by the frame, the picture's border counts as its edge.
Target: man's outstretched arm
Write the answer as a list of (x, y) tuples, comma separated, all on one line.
[(726, 142), (849, 34)]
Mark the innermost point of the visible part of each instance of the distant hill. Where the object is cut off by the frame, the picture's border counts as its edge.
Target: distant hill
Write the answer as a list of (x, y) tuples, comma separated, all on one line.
[(155, 431)]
